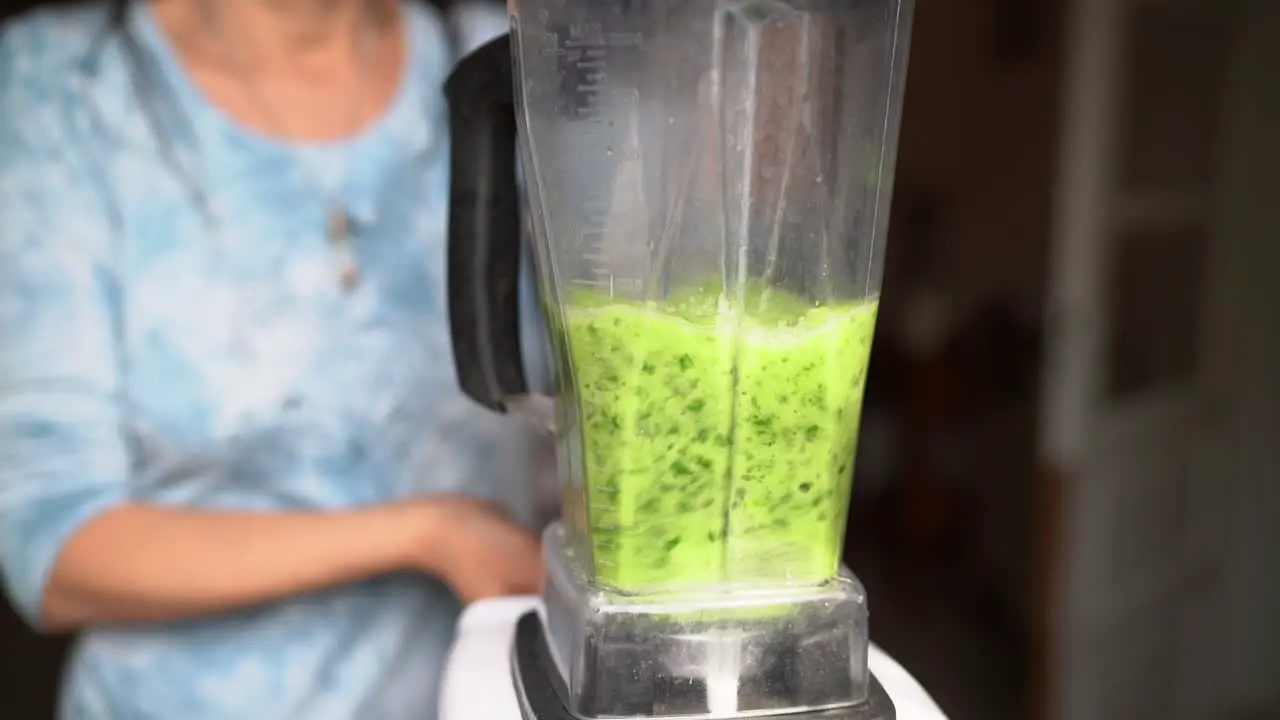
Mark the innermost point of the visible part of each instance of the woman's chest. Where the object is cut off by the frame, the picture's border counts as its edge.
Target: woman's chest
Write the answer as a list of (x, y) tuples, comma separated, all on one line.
[(234, 321)]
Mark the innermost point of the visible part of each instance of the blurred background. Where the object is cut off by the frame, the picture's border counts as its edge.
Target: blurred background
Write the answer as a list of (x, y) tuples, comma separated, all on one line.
[(1067, 502)]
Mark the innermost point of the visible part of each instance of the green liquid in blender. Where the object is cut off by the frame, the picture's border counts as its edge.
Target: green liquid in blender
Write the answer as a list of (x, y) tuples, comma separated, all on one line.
[(719, 446)]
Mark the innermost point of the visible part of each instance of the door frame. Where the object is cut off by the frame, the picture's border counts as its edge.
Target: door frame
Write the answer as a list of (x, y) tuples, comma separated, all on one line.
[(1077, 421)]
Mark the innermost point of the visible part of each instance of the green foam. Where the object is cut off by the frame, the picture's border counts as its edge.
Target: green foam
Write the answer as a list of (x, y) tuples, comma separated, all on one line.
[(718, 445)]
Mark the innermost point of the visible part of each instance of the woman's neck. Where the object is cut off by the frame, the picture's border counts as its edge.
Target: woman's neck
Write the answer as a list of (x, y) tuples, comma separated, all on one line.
[(295, 69), (296, 37)]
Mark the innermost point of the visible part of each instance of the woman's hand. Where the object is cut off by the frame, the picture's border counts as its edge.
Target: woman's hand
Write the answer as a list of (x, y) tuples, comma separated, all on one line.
[(479, 552), (112, 570)]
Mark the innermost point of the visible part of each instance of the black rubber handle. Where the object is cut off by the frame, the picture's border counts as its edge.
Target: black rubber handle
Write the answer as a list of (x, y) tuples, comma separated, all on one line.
[(485, 228)]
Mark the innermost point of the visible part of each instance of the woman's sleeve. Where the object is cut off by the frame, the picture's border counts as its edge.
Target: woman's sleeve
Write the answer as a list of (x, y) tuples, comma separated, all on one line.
[(62, 455), (474, 23)]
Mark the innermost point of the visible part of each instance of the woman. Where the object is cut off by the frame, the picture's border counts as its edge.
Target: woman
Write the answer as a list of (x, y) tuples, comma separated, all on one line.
[(232, 451)]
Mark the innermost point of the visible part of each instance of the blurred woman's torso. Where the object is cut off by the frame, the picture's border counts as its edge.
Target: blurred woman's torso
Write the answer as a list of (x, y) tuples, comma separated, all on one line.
[(251, 378)]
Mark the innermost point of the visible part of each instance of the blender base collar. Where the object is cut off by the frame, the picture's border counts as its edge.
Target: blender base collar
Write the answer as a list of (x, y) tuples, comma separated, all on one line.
[(540, 688), (706, 653)]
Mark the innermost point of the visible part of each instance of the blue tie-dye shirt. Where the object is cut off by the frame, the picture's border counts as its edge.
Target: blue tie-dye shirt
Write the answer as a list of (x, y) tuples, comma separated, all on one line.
[(172, 331)]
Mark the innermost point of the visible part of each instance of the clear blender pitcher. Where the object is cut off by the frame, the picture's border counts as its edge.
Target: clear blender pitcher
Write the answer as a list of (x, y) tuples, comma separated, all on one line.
[(708, 186)]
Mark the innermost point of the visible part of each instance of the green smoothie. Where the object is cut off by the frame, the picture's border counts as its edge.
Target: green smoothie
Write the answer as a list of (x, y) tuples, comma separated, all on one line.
[(718, 445)]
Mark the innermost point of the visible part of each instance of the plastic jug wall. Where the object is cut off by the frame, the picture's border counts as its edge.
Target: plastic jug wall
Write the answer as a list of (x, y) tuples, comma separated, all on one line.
[(709, 187)]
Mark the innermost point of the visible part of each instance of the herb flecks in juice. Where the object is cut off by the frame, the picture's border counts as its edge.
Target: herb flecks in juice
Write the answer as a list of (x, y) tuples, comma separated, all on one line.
[(719, 446)]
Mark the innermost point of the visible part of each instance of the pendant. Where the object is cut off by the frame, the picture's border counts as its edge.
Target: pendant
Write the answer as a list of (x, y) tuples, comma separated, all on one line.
[(344, 251)]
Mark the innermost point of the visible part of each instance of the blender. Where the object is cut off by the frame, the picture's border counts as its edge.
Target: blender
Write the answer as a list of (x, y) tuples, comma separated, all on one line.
[(706, 191)]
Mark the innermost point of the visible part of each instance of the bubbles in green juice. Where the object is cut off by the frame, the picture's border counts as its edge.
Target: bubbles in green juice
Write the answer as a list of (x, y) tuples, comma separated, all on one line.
[(717, 450)]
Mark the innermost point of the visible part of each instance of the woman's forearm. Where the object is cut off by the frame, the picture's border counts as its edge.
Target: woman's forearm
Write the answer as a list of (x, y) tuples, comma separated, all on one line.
[(148, 563)]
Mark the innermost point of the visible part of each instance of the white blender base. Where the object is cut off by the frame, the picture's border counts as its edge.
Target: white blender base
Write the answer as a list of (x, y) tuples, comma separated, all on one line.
[(477, 683)]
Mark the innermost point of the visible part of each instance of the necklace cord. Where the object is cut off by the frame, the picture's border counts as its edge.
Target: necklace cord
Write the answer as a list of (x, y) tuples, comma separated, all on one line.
[(145, 76)]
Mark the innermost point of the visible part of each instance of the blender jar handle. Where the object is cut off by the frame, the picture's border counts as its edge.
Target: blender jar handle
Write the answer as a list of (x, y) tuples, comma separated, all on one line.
[(485, 229)]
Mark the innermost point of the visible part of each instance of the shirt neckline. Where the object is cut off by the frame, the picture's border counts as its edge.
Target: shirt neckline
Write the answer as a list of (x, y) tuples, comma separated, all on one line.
[(408, 127)]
